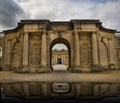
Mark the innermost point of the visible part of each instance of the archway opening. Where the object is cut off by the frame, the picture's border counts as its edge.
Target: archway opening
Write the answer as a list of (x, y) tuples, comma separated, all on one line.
[(60, 54)]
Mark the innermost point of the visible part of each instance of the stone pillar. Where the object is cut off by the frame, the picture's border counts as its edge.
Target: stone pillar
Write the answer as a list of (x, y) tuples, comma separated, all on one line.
[(44, 49), (106, 40), (72, 61), (7, 55), (25, 52), (77, 52), (55, 58), (44, 67), (64, 59), (94, 51), (113, 58), (48, 50)]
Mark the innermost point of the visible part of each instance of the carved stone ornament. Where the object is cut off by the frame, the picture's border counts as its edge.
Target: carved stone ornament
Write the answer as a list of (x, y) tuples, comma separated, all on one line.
[(59, 34)]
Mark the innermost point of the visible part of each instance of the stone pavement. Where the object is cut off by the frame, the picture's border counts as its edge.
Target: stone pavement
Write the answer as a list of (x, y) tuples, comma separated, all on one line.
[(59, 67), (60, 76)]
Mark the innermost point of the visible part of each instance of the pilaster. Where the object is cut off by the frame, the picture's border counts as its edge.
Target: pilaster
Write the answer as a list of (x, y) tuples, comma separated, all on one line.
[(95, 61), (113, 60), (44, 67), (77, 52), (7, 54), (25, 52), (43, 49)]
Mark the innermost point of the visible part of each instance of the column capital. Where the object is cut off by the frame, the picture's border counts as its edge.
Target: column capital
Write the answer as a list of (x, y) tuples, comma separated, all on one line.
[(95, 32), (25, 33), (44, 31), (76, 31)]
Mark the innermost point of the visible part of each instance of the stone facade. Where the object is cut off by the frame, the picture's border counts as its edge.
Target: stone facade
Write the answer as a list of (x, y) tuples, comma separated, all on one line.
[(117, 46), (60, 57), (28, 48)]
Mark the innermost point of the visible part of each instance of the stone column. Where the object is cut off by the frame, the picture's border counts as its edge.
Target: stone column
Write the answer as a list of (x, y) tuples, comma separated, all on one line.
[(106, 40), (77, 51), (94, 50), (7, 54), (43, 49), (72, 61), (64, 58), (48, 49), (55, 58), (44, 67), (113, 58), (25, 52)]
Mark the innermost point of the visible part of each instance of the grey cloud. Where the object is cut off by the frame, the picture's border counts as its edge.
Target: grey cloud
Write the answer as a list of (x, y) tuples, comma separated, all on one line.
[(10, 13), (56, 10), (108, 11)]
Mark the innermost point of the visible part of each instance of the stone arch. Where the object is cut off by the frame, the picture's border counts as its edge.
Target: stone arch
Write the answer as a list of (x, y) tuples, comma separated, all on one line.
[(16, 55), (103, 54), (65, 42)]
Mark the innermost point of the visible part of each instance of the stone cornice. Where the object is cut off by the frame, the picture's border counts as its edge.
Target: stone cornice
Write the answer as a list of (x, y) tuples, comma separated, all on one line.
[(71, 22), (35, 21), (15, 29), (84, 21), (1, 32), (99, 25), (96, 22)]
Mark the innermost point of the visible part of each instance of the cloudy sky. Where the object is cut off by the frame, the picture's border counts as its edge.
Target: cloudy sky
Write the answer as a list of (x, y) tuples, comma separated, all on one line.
[(12, 11)]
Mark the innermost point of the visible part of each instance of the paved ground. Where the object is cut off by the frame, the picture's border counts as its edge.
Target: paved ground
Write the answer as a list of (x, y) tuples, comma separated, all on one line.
[(59, 67), (61, 76)]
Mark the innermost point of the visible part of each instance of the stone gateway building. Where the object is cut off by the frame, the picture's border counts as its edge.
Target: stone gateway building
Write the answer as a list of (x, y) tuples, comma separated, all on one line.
[(28, 48), (27, 54)]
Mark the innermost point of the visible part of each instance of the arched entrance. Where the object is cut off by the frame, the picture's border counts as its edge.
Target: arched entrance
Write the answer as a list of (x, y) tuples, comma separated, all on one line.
[(65, 42)]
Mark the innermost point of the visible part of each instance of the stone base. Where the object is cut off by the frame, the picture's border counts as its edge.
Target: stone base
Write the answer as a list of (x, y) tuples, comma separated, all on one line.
[(26, 69), (96, 68), (7, 67), (21, 69), (43, 70), (114, 67), (81, 69)]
